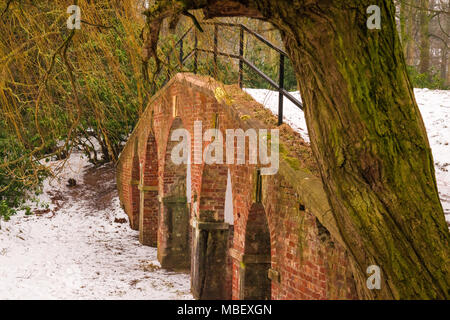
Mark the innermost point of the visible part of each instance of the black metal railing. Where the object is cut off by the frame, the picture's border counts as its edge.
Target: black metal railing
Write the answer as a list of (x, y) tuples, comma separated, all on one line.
[(279, 86)]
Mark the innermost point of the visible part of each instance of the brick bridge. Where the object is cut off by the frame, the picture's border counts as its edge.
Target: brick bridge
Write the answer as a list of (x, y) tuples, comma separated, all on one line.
[(241, 235)]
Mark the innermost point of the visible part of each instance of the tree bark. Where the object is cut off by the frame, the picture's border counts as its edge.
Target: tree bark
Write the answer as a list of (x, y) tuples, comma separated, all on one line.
[(371, 145), (368, 138), (445, 62), (404, 10), (408, 37)]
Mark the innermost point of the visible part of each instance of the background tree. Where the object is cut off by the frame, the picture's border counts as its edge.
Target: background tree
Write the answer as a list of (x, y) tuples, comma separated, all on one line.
[(62, 88), (424, 29)]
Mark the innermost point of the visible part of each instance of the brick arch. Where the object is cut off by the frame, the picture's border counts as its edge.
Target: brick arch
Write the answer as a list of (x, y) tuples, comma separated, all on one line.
[(254, 281), (172, 172), (174, 231), (211, 276), (148, 186), (134, 189)]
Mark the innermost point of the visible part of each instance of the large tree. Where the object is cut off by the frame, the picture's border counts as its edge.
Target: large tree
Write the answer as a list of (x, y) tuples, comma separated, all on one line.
[(366, 133), (424, 24), (407, 19)]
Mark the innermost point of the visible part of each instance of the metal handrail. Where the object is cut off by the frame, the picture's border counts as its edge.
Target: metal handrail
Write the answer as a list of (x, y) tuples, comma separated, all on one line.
[(242, 60)]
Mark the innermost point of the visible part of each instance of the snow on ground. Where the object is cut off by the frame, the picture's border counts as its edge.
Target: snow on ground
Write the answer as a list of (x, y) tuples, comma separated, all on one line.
[(434, 106), (81, 247)]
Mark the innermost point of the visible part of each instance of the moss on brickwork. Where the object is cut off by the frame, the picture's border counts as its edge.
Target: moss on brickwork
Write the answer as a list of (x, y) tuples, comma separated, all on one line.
[(292, 146)]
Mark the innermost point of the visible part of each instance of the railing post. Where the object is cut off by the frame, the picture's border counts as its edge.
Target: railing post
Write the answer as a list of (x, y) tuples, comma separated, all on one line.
[(241, 56), (195, 52), (216, 33), (280, 93)]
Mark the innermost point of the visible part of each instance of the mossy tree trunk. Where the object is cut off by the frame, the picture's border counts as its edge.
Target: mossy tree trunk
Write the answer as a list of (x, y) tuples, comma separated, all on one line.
[(370, 141), (367, 135), (407, 17)]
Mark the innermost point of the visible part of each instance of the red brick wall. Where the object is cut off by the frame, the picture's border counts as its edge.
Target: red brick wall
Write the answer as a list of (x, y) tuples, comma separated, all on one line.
[(311, 266), (169, 176), (149, 198), (310, 262), (212, 195), (135, 198)]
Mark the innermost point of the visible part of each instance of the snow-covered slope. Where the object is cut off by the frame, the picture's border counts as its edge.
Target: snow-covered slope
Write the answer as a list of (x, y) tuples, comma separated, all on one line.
[(83, 247), (434, 106)]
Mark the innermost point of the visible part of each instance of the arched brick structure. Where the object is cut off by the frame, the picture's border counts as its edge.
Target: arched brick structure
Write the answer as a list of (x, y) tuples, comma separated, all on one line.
[(255, 267), (148, 187), (173, 235), (211, 237), (307, 260), (134, 191)]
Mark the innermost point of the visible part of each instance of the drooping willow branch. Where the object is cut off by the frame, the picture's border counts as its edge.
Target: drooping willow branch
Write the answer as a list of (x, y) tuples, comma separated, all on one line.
[(37, 104)]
